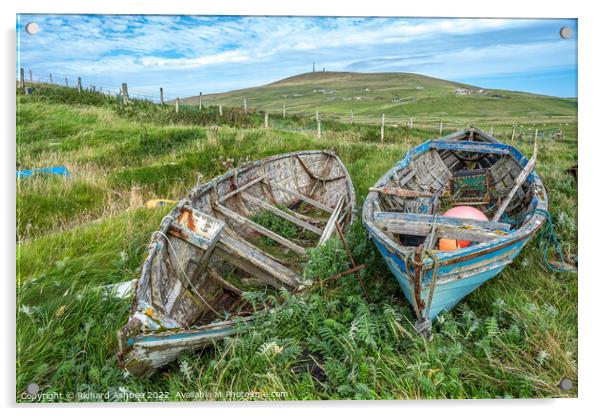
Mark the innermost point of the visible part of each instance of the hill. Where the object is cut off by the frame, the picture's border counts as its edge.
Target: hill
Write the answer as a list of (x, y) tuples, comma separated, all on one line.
[(398, 95)]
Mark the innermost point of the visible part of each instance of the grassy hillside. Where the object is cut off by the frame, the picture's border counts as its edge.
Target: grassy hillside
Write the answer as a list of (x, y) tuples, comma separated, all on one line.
[(398, 95), (514, 337)]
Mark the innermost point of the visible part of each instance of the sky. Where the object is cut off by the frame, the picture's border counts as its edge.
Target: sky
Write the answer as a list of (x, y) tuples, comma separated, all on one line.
[(190, 54)]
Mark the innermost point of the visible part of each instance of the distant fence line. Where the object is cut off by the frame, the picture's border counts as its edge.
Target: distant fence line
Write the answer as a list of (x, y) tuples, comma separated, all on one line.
[(520, 130)]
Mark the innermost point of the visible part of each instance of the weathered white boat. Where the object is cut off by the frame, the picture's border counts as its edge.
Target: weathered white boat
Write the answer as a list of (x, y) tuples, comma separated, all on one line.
[(402, 215), (212, 247)]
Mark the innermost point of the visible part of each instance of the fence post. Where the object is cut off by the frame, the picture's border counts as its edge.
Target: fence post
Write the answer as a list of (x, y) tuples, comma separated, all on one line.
[(161, 97), (382, 128), (177, 104), (30, 77), (536, 133), (220, 110), (440, 127), (318, 123), (50, 76), (124, 92), (200, 100), (22, 78), (491, 131), (411, 123), (79, 84), (351, 117), (513, 129), (244, 103), (284, 110), (66, 82), (265, 120)]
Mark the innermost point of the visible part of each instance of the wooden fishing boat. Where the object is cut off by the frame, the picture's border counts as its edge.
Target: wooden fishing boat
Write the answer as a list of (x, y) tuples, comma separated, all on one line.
[(403, 216), (216, 244)]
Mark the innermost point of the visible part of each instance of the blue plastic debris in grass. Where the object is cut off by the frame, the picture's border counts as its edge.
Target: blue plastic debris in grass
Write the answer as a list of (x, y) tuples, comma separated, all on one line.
[(53, 170)]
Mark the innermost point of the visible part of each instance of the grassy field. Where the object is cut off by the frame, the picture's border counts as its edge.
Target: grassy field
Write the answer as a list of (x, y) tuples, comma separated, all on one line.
[(514, 337)]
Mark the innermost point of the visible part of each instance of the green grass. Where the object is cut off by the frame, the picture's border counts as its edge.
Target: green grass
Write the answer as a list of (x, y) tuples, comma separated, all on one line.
[(514, 337)]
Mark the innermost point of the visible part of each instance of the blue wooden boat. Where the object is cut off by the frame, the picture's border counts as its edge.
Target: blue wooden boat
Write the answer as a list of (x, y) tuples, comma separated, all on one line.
[(403, 216)]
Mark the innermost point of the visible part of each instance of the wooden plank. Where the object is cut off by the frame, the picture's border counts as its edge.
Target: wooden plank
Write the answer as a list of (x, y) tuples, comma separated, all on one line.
[(281, 213), (401, 192), (259, 228), (330, 225), (302, 197), (475, 147), (240, 189), (443, 231), (243, 254), (441, 220)]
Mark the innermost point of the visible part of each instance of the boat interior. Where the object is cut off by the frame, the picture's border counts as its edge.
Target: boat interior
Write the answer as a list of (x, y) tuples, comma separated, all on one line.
[(463, 170), (248, 230)]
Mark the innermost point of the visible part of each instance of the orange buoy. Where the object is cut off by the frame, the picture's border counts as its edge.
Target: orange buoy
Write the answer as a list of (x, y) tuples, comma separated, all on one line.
[(461, 211)]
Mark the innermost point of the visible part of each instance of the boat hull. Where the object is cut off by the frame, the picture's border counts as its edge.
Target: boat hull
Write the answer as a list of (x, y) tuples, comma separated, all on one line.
[(454, 282)]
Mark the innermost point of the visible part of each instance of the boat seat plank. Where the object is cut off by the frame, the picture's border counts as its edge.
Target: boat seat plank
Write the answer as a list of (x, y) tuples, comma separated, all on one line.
[(442, 230), (280, 213), (241, 188), (441, 220), (259, 228), (302, 197), (242, 252)]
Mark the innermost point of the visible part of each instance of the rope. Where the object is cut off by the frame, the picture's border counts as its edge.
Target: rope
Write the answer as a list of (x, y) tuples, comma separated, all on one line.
[(547, 236), (186, 276)]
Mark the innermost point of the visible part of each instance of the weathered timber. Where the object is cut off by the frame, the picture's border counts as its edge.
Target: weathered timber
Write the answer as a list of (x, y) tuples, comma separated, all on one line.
[(303, 197), (260, 229), (332, 221), (401, 192), (241, 189), (280, 213)]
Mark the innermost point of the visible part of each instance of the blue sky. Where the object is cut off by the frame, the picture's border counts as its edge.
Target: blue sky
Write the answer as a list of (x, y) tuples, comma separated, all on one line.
[(188, 54)]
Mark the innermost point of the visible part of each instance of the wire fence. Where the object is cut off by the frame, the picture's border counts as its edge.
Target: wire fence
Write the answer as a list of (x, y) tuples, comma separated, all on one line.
[(275, 118)]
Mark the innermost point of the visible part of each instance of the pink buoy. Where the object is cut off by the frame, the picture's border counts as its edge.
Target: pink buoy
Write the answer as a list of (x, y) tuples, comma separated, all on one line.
[(461, 211)]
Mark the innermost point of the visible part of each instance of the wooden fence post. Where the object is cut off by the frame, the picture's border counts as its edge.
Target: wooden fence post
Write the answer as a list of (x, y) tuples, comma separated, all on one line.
[(30, 77), (50, 76), (22, 78), (244, 103), (265, 120), (200, 100), (79, 84), (318, 123), (177, 104), (124, 93), (351, 118), (66, 82), (161, 97), (220, 111), (440, 127), (491, 131), (284, 110), (411, 123), (513, 129), (382, 128), (536, 133)]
